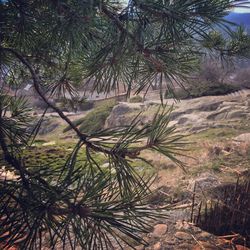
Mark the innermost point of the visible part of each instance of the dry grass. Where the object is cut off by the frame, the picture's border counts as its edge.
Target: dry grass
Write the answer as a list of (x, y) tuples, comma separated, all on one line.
[(226, 159)]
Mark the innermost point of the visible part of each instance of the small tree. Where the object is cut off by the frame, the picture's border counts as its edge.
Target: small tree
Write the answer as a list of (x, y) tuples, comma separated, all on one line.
[(57, 45)]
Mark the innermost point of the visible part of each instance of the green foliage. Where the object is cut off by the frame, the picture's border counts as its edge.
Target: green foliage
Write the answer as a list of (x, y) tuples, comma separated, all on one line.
[(14, 118), (238, 44), (56, 45), (85, 105), (107, 199)]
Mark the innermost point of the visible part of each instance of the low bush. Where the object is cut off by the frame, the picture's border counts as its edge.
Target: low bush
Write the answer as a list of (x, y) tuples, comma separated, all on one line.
[(85, 105), (195, 90), (178, 94), (74, 105), (212, 89), (136, 99)]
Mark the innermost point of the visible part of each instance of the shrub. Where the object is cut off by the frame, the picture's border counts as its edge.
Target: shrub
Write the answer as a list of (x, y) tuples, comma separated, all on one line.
[(75, 104), (85, 105), (209, 80), (195, 90), (95, 119), (178, 93), (136, 99), (243, 78), (198, 90)]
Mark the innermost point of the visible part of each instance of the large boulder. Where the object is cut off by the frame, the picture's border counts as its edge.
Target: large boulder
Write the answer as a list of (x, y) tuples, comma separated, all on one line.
[(123, 114), (203, 182), (245, 138), (237, 114), (219, 114), (206, 104)]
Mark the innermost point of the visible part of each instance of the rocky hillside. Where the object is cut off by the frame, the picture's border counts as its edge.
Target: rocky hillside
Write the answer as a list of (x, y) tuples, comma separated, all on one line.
[(219, 147), (194, 115), (217, 153)]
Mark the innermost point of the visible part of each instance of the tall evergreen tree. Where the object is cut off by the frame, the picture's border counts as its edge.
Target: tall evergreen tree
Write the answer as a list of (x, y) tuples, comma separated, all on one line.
[(59, 44)]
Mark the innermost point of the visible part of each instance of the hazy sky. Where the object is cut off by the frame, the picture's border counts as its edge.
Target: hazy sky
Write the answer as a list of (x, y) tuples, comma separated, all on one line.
[(243, 10)]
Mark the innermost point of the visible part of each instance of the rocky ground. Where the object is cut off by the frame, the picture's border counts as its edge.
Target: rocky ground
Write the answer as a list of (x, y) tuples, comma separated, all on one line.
[(219, 126), (192, 115), (219, 146), (182, 235), (219, 153)]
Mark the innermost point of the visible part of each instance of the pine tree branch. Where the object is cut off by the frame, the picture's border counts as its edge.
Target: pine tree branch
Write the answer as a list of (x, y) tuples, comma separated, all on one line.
[(35, 78), (83, 137), (36, 81), (9, 158), (147, 53)]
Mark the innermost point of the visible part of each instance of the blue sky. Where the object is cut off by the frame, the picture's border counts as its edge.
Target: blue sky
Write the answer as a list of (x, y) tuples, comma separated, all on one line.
[(243, 10)]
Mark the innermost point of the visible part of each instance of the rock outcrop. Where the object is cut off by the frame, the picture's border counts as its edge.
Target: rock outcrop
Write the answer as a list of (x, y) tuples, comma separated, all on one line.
[(245, 138), (192, 115), (123, 114)]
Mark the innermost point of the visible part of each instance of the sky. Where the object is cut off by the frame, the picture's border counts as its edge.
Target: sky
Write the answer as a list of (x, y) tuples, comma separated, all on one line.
[(243, 10)]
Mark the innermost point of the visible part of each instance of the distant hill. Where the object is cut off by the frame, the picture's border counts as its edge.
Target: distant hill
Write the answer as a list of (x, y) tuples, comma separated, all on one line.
[(240, 18)]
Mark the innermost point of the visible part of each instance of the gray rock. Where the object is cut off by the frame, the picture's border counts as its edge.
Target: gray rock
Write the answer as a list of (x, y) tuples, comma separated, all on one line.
[(243, 138), (176, 114), (236, 114), (204, 235), (183, 120), (193, 115), (47, 129), (209, 106), (53, 114), (123, 114), (191, 119), (220, 114), (121, 109), (204, 182), (206, 103), (183, 236)]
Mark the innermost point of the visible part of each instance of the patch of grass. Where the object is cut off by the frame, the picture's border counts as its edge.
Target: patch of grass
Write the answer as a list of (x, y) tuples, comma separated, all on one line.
[(225, 159), (55, 156), (207, 167), (143, 168), (216, 165), (214, 134), (95, 119), (39, 141)]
